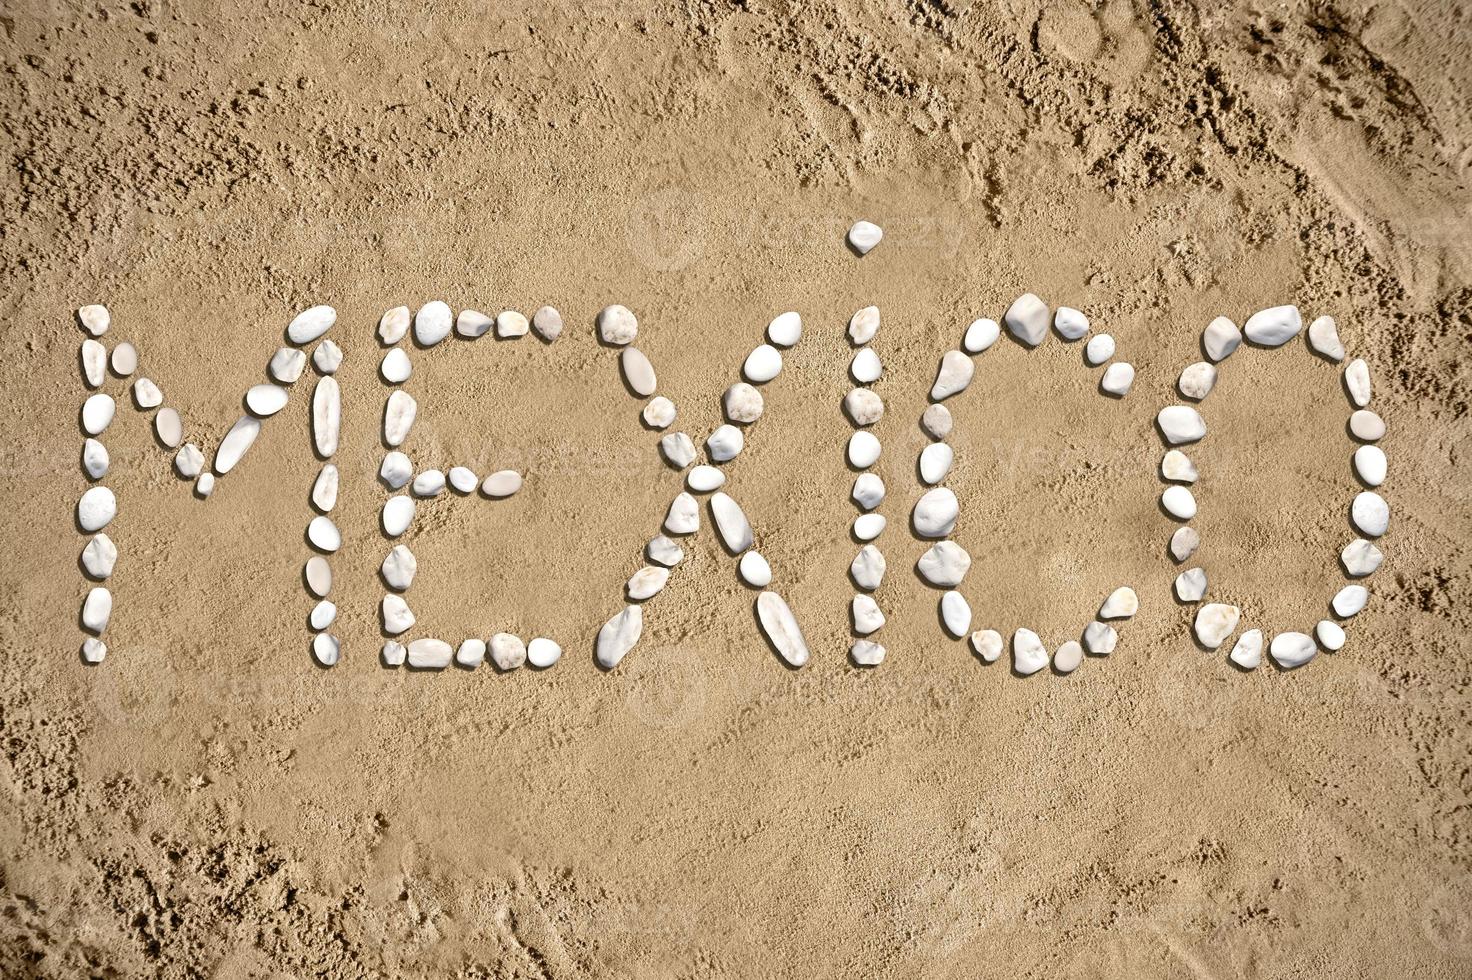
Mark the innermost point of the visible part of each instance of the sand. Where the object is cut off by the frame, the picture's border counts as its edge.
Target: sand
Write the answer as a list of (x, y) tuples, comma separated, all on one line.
[(207, 803)]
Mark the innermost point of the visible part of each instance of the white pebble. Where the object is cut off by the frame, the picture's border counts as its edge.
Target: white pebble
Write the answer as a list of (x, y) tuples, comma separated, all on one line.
[(398, 417), (502, 483), (988, 645), (471, 324), (677, 450), (430, 483), (863, 450), (866, 613), (1323, 336), (541, 652), (1121, 604), (93, 650), (867, 527), (724, 444), (1179, 503), (204, 485), (955, 613), (864, 235), (1181, 424), (323, 534), (785, 329), (396, 367), (936, 421), (867, 653), (863, 325), (95, 459), (659, 413), (1184, 542), (1066, 658), (866, 367), (326, 649), (394, 653), (1247, 652), (327, 357), (427, 653), (396, 469), (326, 415), (265, 400), (463, 479), (731, 523), (1027, 319), (1028, 653), (547, 322), (1177, 467), (863, 406), (397, 617), (94, 363), (1118, 378), (124, 359), (617, 325), (868, 491), (1357, 380), (638, 372), (146, 394), (683, 516), (664, 551), (97, 609), (618, 636), (240, 438), (100, 556), (319, 576), (432, 323), (95, 319), (1070, 324), (399, 568), (1197, 380), (754, 570), (97, 413), (1220, 338), (1330, 635), (945, 564), (647, 582), (1366, 426), (1216, 621), (1292, 650), (1099, 349), (471, 653), (169, 427), (704, 479), (322, 615), (936, 512), (935, 462), (868, 568), (189, 460), (953, 376), (1370, 513), (310, 324), (781, 628), (1350, 600), (980, 335), (742, 403), (1100, 638), (398, 514), (1191, 585), (1273, 327), (510, 324), (324, 488), (1361, 557), (1370, 464), (762, 364), (393, 325)]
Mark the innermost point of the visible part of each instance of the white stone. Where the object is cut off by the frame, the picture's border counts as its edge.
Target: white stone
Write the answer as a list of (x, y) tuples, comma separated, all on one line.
[(396, 470), (1179, 503), (1273, 327), (1216, 621), (204, 485), (1292, 650), (866, 614), (1370, 464), (945, 564), (432, 323), (980, 335), (863, 406), (427, 653), (1177, 467), (863, 450), (397, 617), (502, 483), (322, 615), (169, 427), (1181, 424), (547, 322), (1100, 638), (398, 514), (683, 516), (189, 460), (265, 400), (1197, 380), (326, 649), (731, 523), (324, 488), (95, 319), (618, 636), (742, 403), (393, 325), (647, 582), (1330, 635), (953, 376), (240, 438), (326, 415), (936, 421), (1099, 349), (1066, 658), (868, 491), (704, 479), (935, 462), (1220, 338), (1247, 652), (471, 653), (638, 372), (863, 325), (1350, 600), (394, 653), (541, 652), (1357, 381), (310, 324), (659, 413), (430, 483), (319, 576), (955, 613), (1191, 585), (100, 556), (95, 459), (724, 444), (510, 324), (864, 235), (93, 650), (867, 527), (327, 357), (1118, 378), (97, 609), (94, 363), (323, 534), (762, 365), (399, 568), (781, 628), (1184, 542), (617, 326), (398, 417), (1366, 426), (678, 450), (1361, 558), (463, 479), (664, 551), (1370, 513), (1070, 324), (508, 652), (867, 653), (785, 329), (1121, 604), (1028, 653), (1323, 336), (754, 570), (471, 324), (1027, 319), (866, 367), (124, 359), (146, 394), (868, 568), (97, 413), (988, 645)]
